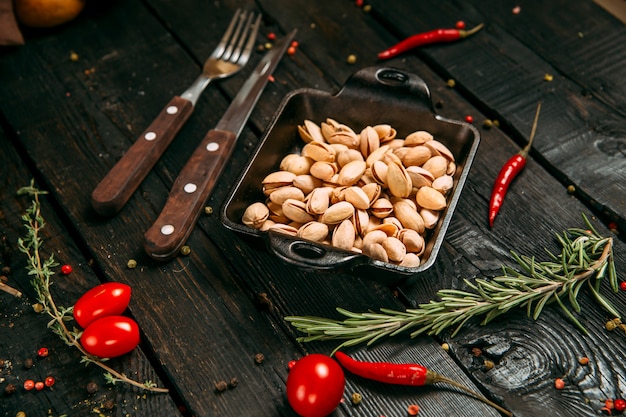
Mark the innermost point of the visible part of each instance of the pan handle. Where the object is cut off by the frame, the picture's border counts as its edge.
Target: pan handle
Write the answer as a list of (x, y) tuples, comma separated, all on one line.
[(308, 254), (397, 84)]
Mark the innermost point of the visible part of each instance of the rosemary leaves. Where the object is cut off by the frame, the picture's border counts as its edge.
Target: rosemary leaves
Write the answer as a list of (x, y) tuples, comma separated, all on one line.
[(585, 258)]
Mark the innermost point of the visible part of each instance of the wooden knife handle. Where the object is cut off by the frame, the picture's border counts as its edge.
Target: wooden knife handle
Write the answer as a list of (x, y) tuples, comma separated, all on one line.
[(188, 195), (120, 183)]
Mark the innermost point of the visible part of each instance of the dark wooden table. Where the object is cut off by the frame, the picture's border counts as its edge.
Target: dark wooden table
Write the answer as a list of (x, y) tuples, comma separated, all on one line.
[(204, 317)]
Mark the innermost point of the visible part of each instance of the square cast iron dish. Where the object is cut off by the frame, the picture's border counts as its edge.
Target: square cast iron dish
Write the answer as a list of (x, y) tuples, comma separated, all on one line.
[(371, 96)]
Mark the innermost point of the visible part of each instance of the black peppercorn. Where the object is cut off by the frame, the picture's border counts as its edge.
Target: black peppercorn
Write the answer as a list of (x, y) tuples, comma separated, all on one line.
[(221, 386), (10, 389), (92, 388), (28, 363)]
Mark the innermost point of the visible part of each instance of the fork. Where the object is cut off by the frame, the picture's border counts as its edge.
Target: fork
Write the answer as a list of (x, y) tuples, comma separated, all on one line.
[(229, 57)]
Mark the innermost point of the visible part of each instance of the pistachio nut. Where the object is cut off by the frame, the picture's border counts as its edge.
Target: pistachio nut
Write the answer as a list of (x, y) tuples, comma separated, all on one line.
[(420, 177), (348, 155), (345, 137), (344, 235), (398, 179), (297, 164), (429, 198), (385, 132), (351, 172), (357, 197), (306, 183), (411, 260), (416, 155), (318, 201), (443, 184), (361, 221), (369, 141), (276, 180), (381, 208), (395, 249), (295, 210), (315, 231), (409, 218), (319, 152), (376, 251), (337, 213), (431, 217), (374, 236), (255, 215), (419, 137), (379, 172), (372, 190), (437, 165), (310, 132), (323, 170), (413, 241), (377, 155), (280, 195), (438, 148)]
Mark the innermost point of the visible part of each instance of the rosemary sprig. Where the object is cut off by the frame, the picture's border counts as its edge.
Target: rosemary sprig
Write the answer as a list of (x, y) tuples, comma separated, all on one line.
[(42, 271), (586, 258)]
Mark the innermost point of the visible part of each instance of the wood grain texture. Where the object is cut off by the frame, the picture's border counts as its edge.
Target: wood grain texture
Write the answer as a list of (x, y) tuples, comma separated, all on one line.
[(205, 316)]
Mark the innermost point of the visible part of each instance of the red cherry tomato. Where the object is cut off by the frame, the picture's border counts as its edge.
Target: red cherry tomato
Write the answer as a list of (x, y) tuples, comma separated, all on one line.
[(110, 299), (110, 336), (315, 385)]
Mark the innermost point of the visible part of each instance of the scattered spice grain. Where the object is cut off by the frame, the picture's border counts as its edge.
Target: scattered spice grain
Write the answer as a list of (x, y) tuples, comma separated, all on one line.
[(233, 383), (351, 59), (259, 358), (356, 398), (28, 363), (10, 389), (559, 383), (92, 388), (583, 361), (413, 409), (131, 264), (220, 386), (185, 250)]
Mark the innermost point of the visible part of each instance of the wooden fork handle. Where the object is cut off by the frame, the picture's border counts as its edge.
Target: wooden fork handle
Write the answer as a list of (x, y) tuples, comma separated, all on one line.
[(188, 195), (124, 178)]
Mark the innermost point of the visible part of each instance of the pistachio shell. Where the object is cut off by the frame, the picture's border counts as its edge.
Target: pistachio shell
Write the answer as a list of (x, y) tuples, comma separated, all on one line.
[(416, 155), (374, 236), (398, 180), (379, 172), (319, 151), (451, 168), (284, 228), (443, 184), (344, 235), (255, 215), (296, 164), (376, 251), (381, 208), (347, 156), (385, 132), (368, 141), (357, 197), (315, 231), (295, 210), (395, 249), (419, 137), (413, 241), (431, 199), (345, 137), (409, 218), (411, 260), (437, 165), (372, 190), (377, 155), (280, 195), (276, 180), (431, 217), (307, 183), (361, 221), (337, 213), (351, 173), (267, 224), (323, 170), (438, 148), (420, 177), (310, 132)]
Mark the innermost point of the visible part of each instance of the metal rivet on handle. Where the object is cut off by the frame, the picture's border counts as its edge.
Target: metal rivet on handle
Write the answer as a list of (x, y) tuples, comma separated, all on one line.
[(212, 147), (150, 136), (172, 110), (190, 188), (168, 229)]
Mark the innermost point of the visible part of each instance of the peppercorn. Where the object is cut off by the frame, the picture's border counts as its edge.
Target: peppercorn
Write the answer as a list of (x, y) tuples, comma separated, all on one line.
[(108, 405), (4, 279), (445, 346), (559, 383), (451, 83), (571, 189), (271, 36), (259, 358), (39, 385), (38, 307), (413, 409), (6, 270), (66, 269), (469, 119), (367, 8), (220, 386), (233, 383), (268, 45), (548, 77), (185, 250), (488, 124), (622, 285), (356, 398), (43, 352), (291, 50), (10, 389), (351, 59), (49, 381), (488, 364), (131, 264), (620, 404), (20, 414), (73, 56), (583, 361), (477, 352), (92, 388), (460, 24), (28, 363), (29, 384)]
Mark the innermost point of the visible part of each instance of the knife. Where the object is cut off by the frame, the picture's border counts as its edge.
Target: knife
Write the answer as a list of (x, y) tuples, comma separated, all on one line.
[(196, 180)]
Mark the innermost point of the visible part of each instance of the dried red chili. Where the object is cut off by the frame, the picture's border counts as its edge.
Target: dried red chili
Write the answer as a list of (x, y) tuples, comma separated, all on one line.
[(405, 374), (428, 38), (509, 171)]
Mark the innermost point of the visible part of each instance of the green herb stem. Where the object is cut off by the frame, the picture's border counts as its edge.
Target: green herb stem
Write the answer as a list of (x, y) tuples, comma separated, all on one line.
[(586, 257)]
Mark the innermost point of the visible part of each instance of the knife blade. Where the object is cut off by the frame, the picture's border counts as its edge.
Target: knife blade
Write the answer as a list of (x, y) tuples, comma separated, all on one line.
[(194, 184)]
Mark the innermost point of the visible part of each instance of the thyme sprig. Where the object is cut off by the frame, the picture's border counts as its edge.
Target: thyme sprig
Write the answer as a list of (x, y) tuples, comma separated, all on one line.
[(42, 269), (585, 258)]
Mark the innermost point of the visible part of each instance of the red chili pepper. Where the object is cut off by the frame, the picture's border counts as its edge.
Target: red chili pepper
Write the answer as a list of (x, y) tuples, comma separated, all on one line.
[(405, 374), (509, 171), (427, 38)]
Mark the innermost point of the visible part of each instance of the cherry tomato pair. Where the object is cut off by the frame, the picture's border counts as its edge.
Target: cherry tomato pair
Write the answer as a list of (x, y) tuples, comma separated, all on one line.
[(107, 333), (315, 385)]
